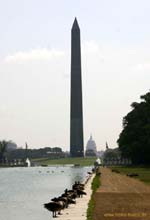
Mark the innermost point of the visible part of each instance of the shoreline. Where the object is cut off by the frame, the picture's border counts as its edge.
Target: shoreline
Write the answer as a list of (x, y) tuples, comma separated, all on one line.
[(78, 211)]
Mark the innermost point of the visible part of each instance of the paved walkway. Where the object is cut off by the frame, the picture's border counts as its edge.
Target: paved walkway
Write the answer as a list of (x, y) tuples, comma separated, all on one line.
[(78, 211), (121, 198)]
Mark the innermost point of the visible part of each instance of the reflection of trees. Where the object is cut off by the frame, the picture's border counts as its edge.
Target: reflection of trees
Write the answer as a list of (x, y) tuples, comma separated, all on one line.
[(78, 174)]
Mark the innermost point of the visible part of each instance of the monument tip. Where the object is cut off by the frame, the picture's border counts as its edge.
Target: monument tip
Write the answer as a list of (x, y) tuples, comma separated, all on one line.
[(75, 24)]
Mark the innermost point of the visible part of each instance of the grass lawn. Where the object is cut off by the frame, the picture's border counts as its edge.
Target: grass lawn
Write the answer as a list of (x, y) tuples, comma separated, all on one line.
[(143, 172), (95, 186), (88, 161)]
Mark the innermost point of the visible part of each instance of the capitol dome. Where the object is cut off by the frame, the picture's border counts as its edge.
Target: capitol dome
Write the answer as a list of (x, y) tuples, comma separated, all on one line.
[(91, 146)]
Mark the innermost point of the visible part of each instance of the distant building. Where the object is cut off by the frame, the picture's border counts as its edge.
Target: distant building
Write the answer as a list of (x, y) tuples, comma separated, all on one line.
[(91, 149), (11, 146), (100, 153)]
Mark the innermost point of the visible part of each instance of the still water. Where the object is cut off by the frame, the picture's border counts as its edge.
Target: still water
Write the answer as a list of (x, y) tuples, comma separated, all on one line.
[(23, 191)]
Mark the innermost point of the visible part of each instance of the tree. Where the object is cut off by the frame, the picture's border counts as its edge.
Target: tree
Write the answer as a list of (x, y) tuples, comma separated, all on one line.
[(3, 148), (111, 153), (134, 140)]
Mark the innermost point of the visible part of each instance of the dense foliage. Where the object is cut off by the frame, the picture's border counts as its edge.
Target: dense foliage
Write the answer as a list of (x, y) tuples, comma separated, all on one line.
[(134, 140), (111, 154), (3, 149)]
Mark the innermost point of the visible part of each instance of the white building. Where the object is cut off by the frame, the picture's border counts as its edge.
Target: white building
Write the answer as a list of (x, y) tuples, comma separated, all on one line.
[(91, 149)]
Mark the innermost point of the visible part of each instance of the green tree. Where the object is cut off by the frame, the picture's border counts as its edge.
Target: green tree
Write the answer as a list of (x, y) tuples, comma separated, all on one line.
[(111, 153), (3, 148), (134, 140)]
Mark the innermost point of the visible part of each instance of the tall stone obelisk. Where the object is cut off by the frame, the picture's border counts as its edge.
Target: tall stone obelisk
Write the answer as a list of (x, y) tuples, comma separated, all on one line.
[(76, 120)]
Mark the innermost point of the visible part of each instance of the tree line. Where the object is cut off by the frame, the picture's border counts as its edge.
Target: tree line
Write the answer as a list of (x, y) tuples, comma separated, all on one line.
[(134, 140), (19, 153)]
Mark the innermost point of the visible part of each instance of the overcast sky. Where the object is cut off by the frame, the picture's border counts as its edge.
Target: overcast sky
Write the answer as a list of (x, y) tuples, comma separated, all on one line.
[(35, 67)]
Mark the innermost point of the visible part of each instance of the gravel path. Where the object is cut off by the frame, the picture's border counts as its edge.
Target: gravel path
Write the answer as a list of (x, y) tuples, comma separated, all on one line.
[(121, 198)]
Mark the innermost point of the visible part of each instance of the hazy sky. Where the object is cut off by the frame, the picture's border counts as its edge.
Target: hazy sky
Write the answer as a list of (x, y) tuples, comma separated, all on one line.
[(35, 67)]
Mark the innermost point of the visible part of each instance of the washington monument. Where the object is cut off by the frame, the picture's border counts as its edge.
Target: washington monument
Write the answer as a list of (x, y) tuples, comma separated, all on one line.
[(76, 114)]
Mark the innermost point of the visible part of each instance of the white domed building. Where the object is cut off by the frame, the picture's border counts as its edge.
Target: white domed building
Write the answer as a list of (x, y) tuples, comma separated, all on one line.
[(91, 149)]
